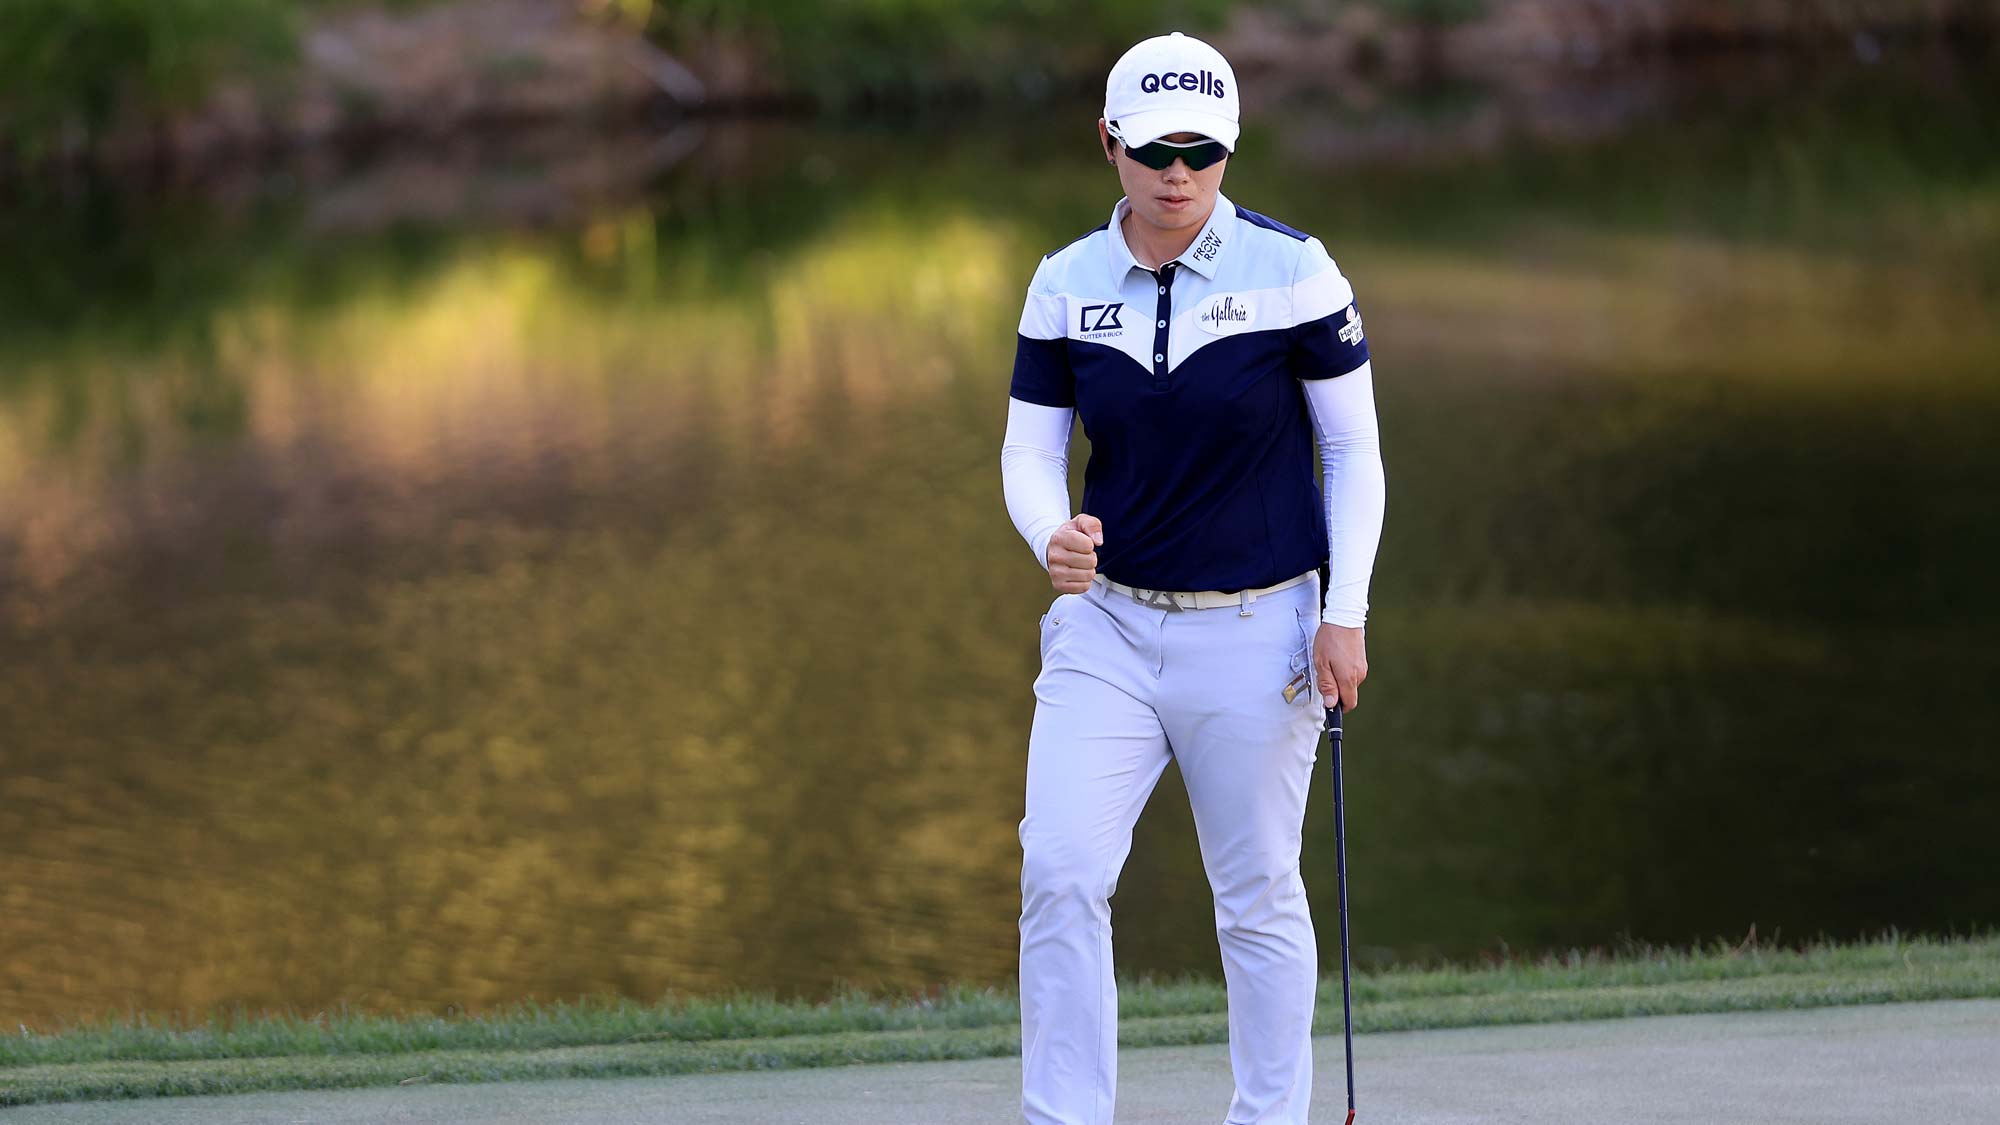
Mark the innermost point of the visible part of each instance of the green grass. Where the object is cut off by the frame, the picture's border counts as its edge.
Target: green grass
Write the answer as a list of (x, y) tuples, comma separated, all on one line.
[(149, 1058)]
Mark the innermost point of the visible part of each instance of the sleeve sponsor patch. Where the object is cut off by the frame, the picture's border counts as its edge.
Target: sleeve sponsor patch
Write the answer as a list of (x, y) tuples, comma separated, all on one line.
[(1334, 344)]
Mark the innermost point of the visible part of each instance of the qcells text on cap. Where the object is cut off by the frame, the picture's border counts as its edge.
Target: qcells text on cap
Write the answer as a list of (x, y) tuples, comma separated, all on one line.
[(1205, 82)]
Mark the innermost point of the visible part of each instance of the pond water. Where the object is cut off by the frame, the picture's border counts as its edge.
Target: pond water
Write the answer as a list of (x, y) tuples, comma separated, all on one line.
[(449, 578)]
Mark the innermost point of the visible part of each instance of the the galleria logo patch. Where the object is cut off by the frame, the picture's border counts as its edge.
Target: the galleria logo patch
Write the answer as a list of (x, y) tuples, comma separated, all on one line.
[(1350, 334), (1227, 313)]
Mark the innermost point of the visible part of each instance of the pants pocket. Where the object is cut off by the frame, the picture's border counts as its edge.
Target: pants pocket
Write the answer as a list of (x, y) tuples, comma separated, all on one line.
[(1302, 660), (1051, 622)]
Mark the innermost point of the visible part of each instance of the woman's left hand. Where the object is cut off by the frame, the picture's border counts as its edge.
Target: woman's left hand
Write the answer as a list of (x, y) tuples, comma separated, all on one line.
[(1340, 659)]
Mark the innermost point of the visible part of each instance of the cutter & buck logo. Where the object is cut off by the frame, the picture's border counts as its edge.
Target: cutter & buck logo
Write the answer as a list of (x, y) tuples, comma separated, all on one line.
[(1097, 321)]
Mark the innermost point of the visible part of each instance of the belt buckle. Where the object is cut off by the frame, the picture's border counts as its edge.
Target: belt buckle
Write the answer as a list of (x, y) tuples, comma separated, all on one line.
[(1158, 599)]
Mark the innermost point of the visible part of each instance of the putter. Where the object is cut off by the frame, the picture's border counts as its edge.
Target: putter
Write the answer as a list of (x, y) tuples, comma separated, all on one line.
[(1340, 867)]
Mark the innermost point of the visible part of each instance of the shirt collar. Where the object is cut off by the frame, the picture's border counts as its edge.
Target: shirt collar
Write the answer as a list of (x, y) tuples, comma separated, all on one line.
[(1203, 255)]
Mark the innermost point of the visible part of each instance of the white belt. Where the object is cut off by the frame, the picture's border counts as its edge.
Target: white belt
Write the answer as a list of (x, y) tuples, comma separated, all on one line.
[(1177, 600)]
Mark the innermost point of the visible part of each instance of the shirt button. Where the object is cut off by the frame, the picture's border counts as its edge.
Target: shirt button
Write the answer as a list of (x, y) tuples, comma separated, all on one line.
[(1159, 359), (1163, 324), (1163, 289)]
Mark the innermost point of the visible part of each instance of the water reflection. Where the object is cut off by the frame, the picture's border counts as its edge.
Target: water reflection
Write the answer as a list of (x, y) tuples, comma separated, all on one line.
[(618, 598)]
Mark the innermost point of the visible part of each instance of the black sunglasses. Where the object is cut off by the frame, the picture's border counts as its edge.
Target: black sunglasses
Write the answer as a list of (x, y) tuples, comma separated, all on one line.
[(1161, 154)]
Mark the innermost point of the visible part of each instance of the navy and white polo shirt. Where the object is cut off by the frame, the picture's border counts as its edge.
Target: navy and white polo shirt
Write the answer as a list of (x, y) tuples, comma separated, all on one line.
[(1201, 449)]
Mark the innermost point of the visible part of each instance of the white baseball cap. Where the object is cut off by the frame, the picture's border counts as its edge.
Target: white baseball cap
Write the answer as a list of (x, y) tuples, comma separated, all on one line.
[(1172, 84)]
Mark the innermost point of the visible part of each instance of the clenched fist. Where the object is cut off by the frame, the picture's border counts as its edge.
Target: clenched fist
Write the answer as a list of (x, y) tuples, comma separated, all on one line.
[(1340, 657), (1073, 554)]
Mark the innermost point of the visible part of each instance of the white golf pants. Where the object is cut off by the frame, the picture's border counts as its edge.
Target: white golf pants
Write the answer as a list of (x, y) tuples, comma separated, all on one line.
[(1124, 686)]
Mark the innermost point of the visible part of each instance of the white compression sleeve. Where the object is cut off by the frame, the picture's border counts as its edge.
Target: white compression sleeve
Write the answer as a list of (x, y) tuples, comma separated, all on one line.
[(1034, 471), (1354, 491)]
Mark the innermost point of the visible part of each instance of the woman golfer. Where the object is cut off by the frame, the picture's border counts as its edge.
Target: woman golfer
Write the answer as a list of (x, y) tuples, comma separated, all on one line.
[(1210, 353)]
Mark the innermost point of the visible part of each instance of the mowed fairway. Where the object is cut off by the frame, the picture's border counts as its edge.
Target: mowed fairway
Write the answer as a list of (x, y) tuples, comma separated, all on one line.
[(1915, 1062), (627, 1040)]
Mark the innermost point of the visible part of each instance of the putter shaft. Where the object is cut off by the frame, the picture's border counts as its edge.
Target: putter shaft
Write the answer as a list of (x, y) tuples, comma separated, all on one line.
[(1340, 868)]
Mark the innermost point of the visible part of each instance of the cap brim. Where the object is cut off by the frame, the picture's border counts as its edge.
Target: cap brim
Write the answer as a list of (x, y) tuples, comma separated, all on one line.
[(1145, 128)]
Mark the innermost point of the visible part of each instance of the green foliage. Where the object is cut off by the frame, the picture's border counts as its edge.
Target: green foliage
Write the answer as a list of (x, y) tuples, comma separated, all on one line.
[(889, 48), (91, 62), (1435, 11), (96, 62)]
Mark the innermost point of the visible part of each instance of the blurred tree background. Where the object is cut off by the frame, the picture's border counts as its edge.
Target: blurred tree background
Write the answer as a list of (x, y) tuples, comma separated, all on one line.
[(87, 61), (71, 70)]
